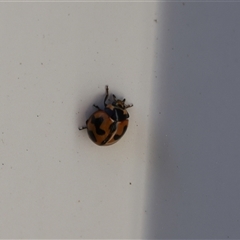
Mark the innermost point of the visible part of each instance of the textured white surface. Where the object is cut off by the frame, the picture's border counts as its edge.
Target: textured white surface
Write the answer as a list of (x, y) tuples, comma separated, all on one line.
[(175, 173), (56, 59)]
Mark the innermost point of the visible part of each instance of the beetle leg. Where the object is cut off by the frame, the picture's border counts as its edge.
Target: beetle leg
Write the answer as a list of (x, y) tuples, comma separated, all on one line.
[(114, 97), (106, 97), (96, 107), (129, 105), (81, 128)]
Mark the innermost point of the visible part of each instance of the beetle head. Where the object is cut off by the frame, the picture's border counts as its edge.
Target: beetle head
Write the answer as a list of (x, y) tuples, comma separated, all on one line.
[(118, 103)]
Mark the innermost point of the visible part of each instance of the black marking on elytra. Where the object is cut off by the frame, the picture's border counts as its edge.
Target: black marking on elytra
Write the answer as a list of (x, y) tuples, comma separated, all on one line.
[(117, 137), (92, 136), (113, 127), (106, 140), (97, 123)]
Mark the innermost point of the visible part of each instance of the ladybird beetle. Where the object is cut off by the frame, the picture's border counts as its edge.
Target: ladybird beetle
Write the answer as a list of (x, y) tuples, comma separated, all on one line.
[(106, 127)]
